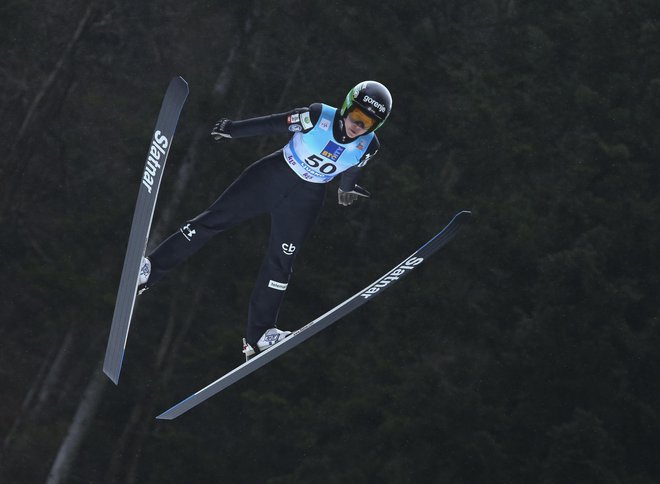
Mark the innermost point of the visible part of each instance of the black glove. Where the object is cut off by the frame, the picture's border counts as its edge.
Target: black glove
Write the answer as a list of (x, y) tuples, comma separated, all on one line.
[(346, 198), (221, 129)]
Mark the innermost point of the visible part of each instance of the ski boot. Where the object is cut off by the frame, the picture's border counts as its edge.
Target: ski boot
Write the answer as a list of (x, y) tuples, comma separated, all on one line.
[(143, 277), (271, 337)]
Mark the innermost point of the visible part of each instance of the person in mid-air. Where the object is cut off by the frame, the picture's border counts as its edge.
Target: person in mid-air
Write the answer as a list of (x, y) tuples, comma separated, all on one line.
[(290, 185)]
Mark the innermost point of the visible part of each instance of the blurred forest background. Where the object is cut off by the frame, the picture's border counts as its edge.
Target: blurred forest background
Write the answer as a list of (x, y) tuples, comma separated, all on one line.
[(526, 351)]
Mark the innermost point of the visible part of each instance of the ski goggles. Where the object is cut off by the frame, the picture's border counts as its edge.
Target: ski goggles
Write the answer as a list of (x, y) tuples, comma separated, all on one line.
[(361, 118)]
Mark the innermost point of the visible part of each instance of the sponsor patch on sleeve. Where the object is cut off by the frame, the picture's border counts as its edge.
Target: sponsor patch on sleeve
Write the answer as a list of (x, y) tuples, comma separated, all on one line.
[(306, 121)]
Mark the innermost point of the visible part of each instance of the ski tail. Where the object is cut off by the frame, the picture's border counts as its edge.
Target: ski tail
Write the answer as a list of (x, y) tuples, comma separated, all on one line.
[(159, 148), (371, 291)]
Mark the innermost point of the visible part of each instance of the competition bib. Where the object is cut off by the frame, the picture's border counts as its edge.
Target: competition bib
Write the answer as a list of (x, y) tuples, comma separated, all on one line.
[(317, 157)]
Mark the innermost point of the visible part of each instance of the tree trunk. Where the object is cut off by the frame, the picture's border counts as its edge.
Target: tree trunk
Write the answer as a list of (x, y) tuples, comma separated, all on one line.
[(26, 405), (87, 407), (52, 77), (41, 390), (15, 161)]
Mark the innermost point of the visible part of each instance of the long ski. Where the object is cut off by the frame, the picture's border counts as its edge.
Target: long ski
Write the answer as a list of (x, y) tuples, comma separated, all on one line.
[(306, 332), (161, 141)]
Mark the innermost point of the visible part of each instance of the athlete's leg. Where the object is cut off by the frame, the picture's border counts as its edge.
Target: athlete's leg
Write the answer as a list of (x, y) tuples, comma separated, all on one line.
[(291, 222), (250, 194)]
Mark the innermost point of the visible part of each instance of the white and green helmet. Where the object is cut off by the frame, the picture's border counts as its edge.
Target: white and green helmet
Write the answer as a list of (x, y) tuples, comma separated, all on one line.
[(373, 98)]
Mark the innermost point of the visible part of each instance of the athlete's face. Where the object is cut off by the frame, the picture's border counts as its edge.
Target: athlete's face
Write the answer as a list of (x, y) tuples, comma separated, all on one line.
[(353, 130), (357, 123)]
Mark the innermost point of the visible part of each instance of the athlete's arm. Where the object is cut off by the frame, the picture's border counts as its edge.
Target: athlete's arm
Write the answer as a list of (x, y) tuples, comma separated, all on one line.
[(299, 119)]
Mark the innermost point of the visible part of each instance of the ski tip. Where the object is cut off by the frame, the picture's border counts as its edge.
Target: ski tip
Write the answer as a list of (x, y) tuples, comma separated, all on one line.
[(180, 80), (463, 215)]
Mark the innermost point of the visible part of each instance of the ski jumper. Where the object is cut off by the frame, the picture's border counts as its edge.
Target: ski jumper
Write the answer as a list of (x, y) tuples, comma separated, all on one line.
[(288, 184)]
